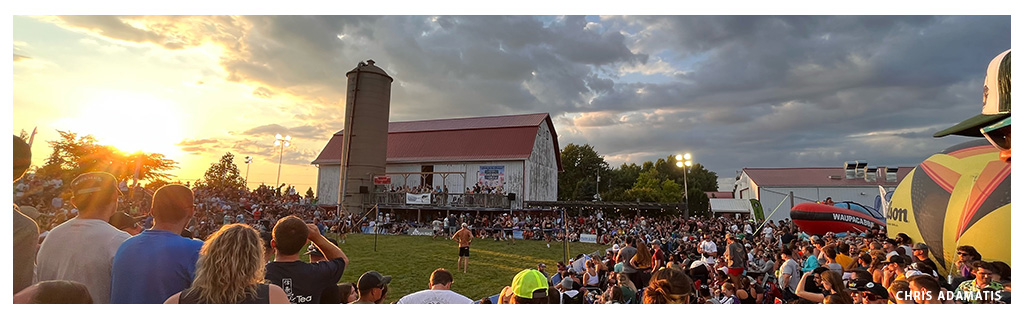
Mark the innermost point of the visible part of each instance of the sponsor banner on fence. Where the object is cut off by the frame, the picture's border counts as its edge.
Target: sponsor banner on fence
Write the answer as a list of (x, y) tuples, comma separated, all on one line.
[(491, 176), (517, 234), (421, 232), (588, 238), (417, 199)]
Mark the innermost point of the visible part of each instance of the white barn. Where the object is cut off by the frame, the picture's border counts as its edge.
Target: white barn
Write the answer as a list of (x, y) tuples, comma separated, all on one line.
[(853, 182), (518, 153)]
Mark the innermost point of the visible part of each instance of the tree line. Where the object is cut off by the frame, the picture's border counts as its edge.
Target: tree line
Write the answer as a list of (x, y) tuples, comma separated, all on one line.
[(73, 155), (658, 181)]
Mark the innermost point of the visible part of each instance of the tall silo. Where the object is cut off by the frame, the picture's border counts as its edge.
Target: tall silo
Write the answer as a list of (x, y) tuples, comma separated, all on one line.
[(365, 140)]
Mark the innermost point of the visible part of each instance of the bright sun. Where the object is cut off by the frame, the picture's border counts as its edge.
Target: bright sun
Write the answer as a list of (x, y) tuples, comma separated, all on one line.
[(130, 122)]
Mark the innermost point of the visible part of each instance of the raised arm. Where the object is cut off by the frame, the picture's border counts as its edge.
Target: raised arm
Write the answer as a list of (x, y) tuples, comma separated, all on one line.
[(329, 250), (802, 293)]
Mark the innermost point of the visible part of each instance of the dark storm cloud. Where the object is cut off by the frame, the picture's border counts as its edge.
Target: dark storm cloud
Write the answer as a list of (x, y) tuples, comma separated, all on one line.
[(737, 91)]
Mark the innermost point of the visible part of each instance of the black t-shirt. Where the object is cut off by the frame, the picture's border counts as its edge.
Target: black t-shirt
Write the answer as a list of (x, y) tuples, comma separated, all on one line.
[(810, 286), (331, 295), (787, 238), (929, 262), (305, 282)]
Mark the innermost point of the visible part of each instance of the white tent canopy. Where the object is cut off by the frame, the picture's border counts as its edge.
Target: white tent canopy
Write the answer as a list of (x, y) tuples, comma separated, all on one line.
[(728, 205)]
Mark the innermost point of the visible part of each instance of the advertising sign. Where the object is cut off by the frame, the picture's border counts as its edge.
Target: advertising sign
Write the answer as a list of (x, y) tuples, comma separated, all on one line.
[(417, 199), (491, 176)]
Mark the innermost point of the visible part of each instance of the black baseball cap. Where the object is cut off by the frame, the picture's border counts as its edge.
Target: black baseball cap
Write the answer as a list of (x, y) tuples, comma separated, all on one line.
[(94, 182), (372, 279), (861, 284), (898, 259)]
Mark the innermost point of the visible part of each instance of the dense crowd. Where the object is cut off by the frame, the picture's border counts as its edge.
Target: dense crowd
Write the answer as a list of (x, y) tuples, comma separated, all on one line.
[(202, 245), (424, 189)]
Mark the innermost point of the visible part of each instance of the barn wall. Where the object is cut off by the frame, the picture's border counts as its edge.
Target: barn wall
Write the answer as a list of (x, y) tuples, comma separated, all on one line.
[(542, 168)]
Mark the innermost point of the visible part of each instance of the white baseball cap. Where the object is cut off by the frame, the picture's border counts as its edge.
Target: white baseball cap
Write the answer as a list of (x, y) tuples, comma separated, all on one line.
[(995, 100)]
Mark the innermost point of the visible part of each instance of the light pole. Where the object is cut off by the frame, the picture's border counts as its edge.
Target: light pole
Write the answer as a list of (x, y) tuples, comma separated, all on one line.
[(282, 142), (684, 162), (248, 159)]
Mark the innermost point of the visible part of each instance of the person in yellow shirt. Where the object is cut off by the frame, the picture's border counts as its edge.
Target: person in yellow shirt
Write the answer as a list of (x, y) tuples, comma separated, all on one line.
[(844, 259)]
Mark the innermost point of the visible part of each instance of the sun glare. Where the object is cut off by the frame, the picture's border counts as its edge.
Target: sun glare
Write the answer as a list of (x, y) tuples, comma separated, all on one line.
[(130, 122)]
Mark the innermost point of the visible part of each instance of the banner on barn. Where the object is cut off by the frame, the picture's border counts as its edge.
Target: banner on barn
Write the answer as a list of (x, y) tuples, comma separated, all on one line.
[(417, 199), (491, 176)]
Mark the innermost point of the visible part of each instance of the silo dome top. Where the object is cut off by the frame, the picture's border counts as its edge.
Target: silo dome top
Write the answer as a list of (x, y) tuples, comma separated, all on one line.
[(369, 67)]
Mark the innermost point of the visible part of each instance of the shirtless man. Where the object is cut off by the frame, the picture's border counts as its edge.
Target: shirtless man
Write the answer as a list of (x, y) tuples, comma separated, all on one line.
[(464, 237)]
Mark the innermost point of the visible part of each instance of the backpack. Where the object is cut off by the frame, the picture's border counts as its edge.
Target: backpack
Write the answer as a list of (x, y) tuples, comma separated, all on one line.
[(572, 300), (771, 291)]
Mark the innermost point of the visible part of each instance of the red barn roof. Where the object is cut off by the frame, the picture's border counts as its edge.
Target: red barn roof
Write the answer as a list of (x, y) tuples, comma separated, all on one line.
[(508, 137), (815, 176)]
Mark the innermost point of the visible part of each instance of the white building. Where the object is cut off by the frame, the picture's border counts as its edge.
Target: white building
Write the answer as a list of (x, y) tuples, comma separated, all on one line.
[(853, 182), (518, 153)]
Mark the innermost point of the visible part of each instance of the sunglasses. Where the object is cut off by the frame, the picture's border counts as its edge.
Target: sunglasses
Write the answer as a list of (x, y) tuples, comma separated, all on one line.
[(871, 296), (962, 253), (996, 134)]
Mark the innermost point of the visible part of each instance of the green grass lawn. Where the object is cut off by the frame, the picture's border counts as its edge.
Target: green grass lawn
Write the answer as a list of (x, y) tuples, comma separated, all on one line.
[(409, 260)]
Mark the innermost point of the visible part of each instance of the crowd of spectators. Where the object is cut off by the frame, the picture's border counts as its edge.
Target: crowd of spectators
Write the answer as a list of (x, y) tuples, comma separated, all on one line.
[(200, 245), (424, 189)]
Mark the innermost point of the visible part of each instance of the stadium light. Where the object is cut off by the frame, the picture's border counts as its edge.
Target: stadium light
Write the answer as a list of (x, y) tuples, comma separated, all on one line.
[(286, 141), (685, 165)]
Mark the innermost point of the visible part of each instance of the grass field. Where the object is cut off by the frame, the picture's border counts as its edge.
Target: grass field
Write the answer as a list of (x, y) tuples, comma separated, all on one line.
[(411, 259)]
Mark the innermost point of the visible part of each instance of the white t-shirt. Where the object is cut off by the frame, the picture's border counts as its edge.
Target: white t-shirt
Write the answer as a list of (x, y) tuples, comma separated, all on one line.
[(435, 297), (81, 250), (709, 247)]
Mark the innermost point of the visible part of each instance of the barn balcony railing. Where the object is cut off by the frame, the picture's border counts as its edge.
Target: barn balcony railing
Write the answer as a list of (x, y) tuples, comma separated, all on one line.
[(443, 200)]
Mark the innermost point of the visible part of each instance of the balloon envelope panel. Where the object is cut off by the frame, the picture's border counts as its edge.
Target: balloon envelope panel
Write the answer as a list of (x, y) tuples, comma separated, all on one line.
[(960, 196)]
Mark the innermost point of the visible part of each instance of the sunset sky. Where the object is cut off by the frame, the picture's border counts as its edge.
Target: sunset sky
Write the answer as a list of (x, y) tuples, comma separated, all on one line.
[(735, 91)]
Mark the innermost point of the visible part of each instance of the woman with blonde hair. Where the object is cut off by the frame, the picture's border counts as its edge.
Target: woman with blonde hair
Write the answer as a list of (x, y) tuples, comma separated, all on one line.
[(230, 271), (628, 288), (590, 276), (669, 286), (642, 261)]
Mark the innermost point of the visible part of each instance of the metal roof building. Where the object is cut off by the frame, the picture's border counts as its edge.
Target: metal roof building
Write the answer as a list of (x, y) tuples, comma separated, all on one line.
[(853, 181), (518, 152)]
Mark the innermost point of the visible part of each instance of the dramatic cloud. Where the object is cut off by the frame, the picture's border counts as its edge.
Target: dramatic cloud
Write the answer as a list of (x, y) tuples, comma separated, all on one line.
[(736, 91), (198, 146)]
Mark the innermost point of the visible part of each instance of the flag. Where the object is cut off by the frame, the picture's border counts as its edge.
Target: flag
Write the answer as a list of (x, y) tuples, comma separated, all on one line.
[(32, 137)]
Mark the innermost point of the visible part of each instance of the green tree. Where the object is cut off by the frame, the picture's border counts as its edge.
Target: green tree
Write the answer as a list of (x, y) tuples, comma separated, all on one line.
[(700, 180), (650, 188), (73, 155), (223, 175), (156, 184), (578, 179)]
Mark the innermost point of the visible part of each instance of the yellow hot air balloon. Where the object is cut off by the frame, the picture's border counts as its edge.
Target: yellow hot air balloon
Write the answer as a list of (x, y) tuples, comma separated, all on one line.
[(960, 196)]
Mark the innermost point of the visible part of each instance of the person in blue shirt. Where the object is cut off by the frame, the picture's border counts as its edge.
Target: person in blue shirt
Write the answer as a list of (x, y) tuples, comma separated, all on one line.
[(159, 262), (812, 260)]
